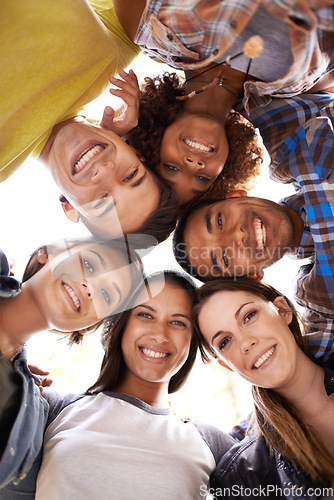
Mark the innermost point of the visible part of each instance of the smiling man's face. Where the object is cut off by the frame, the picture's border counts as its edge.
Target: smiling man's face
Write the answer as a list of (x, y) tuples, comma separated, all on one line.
[(102, 178), (237, 236)]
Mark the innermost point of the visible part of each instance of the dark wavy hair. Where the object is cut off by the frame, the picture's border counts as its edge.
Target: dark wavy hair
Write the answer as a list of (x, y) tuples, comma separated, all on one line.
[(136, 272), (278, 420), (159, 109), (113, 364), (161, 223)]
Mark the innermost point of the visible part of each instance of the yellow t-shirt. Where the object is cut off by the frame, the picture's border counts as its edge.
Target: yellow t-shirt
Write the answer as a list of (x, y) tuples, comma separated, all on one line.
[(56, 56)]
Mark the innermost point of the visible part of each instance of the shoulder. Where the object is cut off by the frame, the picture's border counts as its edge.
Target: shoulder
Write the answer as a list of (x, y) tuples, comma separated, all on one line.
[(58, 401), (217, 440)]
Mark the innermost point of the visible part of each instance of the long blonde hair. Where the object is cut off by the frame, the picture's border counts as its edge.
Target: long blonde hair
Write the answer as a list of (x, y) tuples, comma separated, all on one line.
[(277, 420)]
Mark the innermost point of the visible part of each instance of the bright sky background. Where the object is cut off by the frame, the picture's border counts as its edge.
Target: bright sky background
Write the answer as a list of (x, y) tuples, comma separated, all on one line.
[(32, 215)]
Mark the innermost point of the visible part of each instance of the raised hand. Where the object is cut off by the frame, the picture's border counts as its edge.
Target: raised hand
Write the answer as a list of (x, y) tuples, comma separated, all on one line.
[(124, 119)]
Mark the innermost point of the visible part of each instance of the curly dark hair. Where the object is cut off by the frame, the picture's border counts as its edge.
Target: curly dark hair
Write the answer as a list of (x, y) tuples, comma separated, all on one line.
[(159, 108)]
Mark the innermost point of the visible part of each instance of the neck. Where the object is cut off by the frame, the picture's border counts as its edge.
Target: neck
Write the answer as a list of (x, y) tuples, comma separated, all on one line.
[(215, 101), (152, 393), (306, 390), (20, 319)]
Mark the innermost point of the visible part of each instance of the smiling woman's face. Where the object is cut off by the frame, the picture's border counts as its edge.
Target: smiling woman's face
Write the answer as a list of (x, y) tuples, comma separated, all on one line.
[(251, 336), (193, 152), (77, 288), (156, 340)]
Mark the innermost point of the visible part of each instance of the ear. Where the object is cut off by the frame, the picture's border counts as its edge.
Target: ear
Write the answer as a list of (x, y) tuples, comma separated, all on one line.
[(237, 193), (283, 309), (224, 365), (42, 256), (70, 212)]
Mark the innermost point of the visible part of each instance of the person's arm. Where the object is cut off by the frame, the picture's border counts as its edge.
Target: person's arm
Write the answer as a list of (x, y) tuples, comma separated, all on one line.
[(313, 162), (217, 440), (129, 13)]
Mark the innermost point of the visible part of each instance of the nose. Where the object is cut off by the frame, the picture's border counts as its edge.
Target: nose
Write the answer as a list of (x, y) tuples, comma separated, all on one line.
[(237, 236), (247, 343), (193, 163), (102, 172), (160, 334), (85, 289)]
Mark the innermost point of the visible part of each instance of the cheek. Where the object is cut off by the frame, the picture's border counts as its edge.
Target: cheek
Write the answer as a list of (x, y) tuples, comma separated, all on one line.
[(215, 168), (184, 347)]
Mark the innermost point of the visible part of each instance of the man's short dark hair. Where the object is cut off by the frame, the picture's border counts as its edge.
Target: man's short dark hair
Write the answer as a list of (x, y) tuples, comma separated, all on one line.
[(179, 245), (162, 222)]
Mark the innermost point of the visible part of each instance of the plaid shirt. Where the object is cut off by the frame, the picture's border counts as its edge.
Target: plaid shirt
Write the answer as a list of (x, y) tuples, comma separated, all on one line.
[(189, 34), (298, 134)]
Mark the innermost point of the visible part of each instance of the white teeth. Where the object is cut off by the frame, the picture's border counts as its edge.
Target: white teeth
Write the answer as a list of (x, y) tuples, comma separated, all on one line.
[(260, 234), (85, 156), (197, 145), (264, 358), (153, 354), (74, 298)]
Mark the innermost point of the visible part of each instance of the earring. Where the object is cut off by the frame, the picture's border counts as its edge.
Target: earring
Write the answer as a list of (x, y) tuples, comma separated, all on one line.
[(42, 256)]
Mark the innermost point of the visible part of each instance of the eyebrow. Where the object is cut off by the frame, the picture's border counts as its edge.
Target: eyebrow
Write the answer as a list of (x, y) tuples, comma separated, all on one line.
[(182, 315), (144, 305), (139, 181), (194, 190), (101, 259), (236, 315), (107, 209), (117, 290)]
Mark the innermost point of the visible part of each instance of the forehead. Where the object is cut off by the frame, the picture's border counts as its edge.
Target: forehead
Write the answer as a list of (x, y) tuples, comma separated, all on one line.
[(164, 294), (106, 253), (230, 298), (224, 306)]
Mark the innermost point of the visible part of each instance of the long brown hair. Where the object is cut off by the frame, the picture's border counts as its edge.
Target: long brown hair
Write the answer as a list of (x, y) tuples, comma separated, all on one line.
[(113, 365), (277, 419)]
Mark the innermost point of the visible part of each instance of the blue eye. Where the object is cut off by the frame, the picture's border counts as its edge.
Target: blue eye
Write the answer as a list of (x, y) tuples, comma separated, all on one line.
[(179, 323), (88, 266), (224, 343), (145, 315), (132, 175), (106, 296), (249, 316)]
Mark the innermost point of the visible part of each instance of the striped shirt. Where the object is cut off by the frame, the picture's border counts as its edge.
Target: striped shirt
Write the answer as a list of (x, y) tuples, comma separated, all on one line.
[(190, 34), (298, 134)]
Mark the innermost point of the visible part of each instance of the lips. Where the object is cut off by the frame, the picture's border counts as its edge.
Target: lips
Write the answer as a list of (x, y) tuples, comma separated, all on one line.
[(154, 353), (72, 296), (198, 146), (263, 358), (260, 234), (85, 156)]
